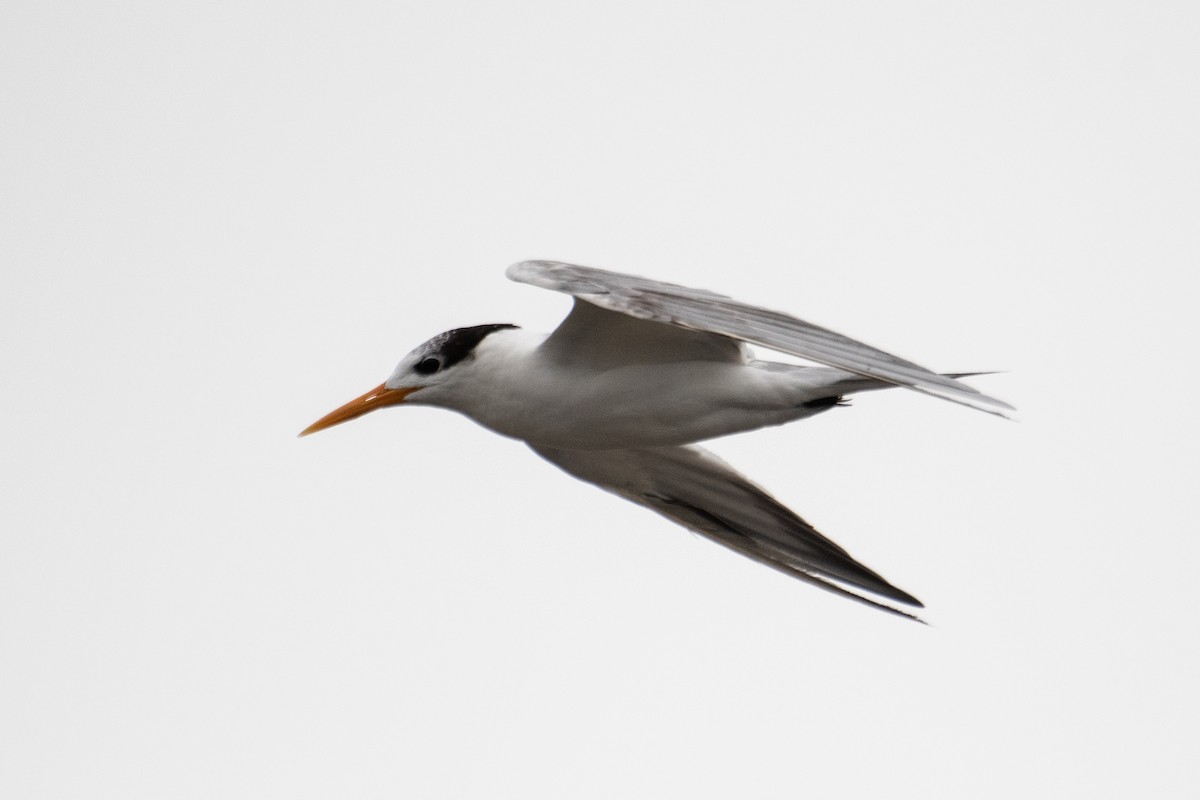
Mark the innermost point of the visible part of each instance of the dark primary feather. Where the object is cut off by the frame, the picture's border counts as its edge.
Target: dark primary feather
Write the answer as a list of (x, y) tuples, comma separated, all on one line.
[(694, 488)]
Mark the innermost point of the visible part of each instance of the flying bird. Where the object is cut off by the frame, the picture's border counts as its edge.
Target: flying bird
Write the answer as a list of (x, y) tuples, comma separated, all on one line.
[(637, 373)]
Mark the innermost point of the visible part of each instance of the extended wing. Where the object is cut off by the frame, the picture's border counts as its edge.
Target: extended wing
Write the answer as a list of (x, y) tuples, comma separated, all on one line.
[(691, 486), (711, 313)]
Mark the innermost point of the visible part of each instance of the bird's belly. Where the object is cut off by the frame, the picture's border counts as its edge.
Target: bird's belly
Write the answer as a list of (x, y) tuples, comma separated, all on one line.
[(639, 406)]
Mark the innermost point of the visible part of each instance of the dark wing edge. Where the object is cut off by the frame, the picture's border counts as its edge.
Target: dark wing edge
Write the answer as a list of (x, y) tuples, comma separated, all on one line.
[(701, 310), (693, 488)]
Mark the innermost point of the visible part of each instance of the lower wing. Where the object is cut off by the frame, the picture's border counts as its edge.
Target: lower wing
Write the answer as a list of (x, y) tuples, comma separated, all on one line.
[(694, 488)]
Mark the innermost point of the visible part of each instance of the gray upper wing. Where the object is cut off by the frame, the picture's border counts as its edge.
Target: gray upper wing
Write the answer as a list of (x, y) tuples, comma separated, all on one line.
[(700, 310)]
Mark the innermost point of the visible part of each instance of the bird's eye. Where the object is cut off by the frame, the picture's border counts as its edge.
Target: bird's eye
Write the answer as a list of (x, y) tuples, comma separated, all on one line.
[(428, 366)]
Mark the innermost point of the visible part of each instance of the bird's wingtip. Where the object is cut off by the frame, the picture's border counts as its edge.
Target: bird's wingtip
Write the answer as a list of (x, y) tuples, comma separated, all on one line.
[(524, 271)]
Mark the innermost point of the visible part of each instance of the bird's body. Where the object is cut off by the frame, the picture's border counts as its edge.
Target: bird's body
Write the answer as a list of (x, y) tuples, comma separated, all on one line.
[(521, 390), (636, 374)]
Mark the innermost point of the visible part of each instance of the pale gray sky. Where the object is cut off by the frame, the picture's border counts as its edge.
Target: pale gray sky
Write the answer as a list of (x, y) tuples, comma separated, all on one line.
[(220, 221)]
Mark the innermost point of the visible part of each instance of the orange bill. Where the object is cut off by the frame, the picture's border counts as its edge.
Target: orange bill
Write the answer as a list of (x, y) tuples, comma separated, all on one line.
[(378, 397)]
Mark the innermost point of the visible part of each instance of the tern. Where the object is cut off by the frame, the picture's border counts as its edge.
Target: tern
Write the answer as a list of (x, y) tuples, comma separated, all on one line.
[(637, 373)]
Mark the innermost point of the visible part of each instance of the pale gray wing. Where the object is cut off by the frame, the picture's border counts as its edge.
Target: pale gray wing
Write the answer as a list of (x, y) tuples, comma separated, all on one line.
[(602, 338), (691, 486), (700, 310)]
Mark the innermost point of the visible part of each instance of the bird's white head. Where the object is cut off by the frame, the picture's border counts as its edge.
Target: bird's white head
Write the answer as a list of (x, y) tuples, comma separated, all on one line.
[(426, 373)]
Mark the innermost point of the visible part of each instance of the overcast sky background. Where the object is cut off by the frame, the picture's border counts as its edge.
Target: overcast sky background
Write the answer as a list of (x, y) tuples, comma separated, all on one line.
[(222, 220)]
